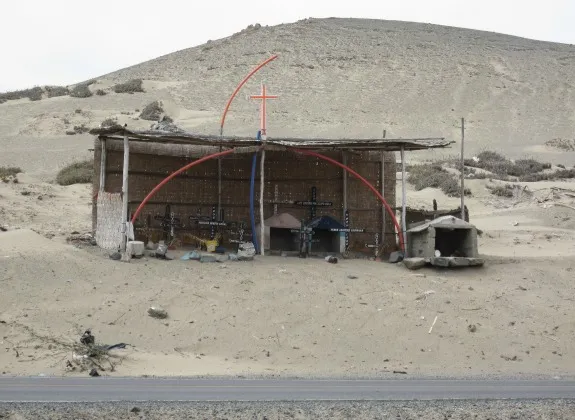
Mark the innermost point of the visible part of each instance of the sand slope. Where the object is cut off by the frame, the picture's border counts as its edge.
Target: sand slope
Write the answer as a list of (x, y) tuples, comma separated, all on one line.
[(290, 317), (336, 77)]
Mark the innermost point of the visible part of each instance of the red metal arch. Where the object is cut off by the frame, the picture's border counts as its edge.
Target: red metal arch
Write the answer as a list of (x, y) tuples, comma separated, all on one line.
[(303, 152)]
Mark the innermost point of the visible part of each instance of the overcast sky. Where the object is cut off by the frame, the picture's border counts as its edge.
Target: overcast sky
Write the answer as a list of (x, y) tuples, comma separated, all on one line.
[(62, 42)]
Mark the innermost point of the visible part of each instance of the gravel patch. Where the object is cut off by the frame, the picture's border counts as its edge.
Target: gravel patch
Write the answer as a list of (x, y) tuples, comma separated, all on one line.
[(424, 410)]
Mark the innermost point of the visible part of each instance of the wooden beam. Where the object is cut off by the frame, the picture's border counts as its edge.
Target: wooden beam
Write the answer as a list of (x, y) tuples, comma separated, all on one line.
[(125, 196), (102, 165), (403, 202)]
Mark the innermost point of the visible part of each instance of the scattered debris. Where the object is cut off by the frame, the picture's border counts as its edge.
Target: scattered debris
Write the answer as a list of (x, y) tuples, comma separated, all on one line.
[(425, 294), (77, 239), (510, 359), (331, 259), (116, 256), (87, 338), (135, 410), (432, 325), (157, 312), (352, 277), (522, 288), (472, 328), (401, 372), (3, 229)]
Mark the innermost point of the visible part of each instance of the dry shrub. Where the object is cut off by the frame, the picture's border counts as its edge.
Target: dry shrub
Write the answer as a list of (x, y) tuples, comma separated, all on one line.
[(503, 168), (81, 129), (34, 94), (109, 122), (434, 176), (81, 91), (502, 190), (131, 86), (100, 92), (561, 144), (76, 173), (55, 91), (152, 112), (550, 176), (6, 171)]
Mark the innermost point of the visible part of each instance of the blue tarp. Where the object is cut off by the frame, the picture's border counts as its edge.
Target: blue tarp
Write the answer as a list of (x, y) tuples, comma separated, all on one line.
[(325, 223)]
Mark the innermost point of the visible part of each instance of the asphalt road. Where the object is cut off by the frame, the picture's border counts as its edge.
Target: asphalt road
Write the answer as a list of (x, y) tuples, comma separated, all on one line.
[(43, 389)]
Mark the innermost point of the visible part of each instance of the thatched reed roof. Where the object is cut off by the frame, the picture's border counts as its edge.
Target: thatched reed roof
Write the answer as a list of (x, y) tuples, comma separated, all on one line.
[(184, 138)]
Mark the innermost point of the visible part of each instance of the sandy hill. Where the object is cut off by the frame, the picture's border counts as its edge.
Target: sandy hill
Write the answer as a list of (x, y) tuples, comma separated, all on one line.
[(336, 77)]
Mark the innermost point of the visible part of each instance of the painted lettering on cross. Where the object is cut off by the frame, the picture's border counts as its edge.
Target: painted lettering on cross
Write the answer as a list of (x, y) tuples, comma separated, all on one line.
[(313, 203)]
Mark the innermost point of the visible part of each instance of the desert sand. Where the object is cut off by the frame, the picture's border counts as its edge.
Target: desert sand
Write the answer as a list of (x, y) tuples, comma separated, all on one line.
[(287, 316)]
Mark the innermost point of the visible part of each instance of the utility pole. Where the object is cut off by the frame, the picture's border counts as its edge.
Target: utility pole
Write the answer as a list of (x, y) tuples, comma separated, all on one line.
[(462, 169)]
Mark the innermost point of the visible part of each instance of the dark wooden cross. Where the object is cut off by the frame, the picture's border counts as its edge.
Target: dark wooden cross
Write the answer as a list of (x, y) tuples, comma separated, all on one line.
[(375, 245), (313, 203), (347, 229), (239, 229), (211, 221), (305, 239), (169, 222)]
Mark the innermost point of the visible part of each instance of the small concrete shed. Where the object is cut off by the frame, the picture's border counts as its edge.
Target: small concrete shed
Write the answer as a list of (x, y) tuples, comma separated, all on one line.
[(455, 239)]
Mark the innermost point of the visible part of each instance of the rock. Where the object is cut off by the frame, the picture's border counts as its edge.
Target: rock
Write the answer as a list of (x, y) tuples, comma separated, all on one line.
[(352, 277), (208, 258), (331, 259), (94, 373), (157, 312), (414, 263), (472, 328), (246, 251), (116, 256), (162, 249), (395, 257)]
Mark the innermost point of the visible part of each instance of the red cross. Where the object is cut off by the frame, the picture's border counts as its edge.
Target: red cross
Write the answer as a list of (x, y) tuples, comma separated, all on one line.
[(264, 97)]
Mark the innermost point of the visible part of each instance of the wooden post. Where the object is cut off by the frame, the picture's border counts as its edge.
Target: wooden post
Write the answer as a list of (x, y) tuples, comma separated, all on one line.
[(262, 227), (220, 184), (462, 170), (403, 201), (125, 194), (344, 159), (102, 165), (383, 212)]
